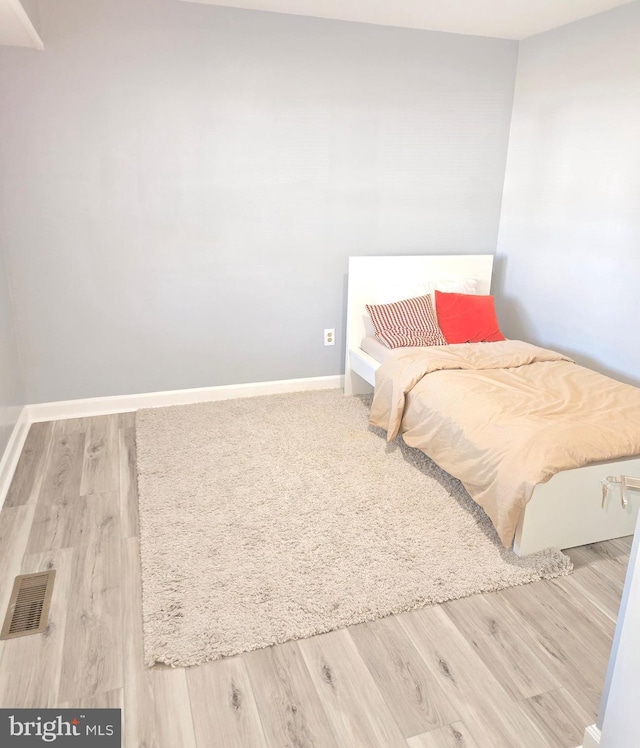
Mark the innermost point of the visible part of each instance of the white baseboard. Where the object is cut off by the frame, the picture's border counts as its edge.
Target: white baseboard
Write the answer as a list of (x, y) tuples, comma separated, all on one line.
[(12, 452), (100, 406), (591, 737)]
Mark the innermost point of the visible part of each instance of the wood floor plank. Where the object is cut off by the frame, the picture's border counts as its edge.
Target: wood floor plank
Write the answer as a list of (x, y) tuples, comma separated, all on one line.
[(28, 474), (54, 523), (223, 706), (156, 706), (127, 420), (104, 700), (598, 583), (128, 483), (456, 735), (169, 723), (30, 665), (100, 472), (416, 701), (92, 658), (623, 545), (615, 551), (610, 557), (505, 648), (157, 711), (486, 708), (574, 633), (356, 710), (558, 717), (63, 469), (15, 527), (72, 425), (289, 706)]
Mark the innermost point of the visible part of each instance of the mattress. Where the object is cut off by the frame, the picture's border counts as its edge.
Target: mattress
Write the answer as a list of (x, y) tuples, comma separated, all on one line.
[(379, 350)]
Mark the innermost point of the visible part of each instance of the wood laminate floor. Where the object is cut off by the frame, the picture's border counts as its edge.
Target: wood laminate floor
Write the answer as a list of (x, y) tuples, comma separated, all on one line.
[(520, 668)]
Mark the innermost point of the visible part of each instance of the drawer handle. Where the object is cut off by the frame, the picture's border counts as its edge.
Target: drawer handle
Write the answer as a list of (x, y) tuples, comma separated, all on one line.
[(626, 484)]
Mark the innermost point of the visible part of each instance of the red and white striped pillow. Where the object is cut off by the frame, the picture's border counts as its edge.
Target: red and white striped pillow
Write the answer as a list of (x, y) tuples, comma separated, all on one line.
[(410, 322)]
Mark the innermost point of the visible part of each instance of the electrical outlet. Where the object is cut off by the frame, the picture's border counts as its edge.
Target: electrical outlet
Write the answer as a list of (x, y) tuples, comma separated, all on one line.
[(329, 337)]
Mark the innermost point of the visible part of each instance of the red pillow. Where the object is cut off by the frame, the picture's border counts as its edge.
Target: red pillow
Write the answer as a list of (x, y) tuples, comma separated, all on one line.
[(466, 318)]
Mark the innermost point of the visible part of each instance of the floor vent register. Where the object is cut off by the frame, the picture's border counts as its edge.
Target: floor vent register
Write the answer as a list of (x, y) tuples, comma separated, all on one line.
[(28, 611)]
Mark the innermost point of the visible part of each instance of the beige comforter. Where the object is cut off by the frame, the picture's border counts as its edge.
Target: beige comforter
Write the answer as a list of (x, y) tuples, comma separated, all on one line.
[(502, 417)]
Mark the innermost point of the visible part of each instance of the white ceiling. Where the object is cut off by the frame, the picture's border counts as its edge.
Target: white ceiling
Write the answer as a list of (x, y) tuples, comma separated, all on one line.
[(508, 19), (16, 28)]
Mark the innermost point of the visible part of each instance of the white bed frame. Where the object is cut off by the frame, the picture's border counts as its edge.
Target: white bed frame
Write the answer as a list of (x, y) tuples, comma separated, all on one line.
[(566, 511)]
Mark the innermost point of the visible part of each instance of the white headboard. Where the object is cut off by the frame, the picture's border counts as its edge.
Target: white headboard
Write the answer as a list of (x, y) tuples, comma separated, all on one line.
[(377, 279)]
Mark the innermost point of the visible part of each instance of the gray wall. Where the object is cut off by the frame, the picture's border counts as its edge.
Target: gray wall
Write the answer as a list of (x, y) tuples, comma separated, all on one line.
[(183, 184), (569, 246), (11, 389)]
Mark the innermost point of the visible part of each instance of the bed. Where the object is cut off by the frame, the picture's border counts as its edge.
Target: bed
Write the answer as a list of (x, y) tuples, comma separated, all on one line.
[(567, 507)]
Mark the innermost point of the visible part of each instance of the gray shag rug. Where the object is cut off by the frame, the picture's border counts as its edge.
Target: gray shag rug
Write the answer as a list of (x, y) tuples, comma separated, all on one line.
[(278, 517)]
